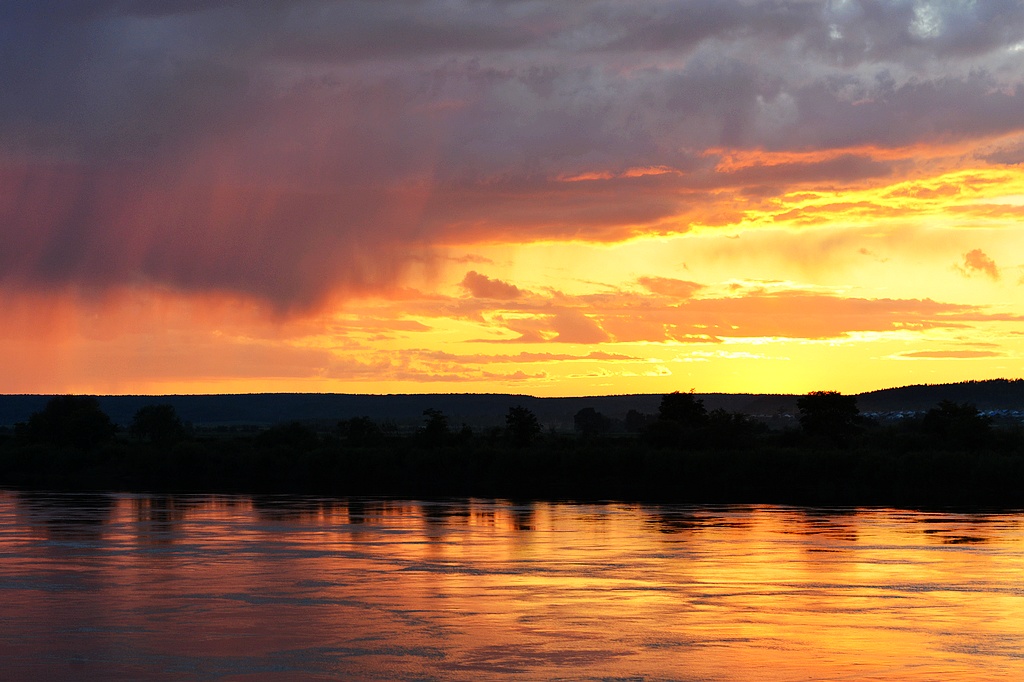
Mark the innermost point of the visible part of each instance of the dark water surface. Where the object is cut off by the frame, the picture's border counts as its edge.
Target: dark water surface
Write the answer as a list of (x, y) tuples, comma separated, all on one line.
[(139, 587)]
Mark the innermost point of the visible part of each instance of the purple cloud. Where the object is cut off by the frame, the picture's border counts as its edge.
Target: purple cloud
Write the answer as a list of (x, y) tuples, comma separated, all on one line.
[(303, 148)]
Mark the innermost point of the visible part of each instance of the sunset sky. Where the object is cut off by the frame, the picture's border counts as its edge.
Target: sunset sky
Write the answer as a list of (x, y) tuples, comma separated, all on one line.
[(548, 198)]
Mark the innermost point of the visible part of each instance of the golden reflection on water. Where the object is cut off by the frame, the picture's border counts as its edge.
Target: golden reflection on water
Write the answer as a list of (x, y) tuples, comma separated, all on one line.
[(151, 587)]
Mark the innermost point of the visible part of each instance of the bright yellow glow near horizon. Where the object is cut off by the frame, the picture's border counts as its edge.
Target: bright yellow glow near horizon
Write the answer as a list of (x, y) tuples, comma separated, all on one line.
[(545, 199), (919, 281)]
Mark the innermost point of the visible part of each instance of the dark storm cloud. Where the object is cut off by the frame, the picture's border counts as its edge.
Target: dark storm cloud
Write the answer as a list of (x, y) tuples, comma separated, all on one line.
[(683, 25), (1008, 153), (918, 111), (294, 148), (857, 31)]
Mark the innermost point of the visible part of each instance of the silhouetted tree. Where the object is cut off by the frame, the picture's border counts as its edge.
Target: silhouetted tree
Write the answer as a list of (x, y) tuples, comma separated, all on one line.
[(685, 409), (636, 421), (732, 429), (360, 431), (465, 434), (521, 425), (159, 424), (957, 424), (829, 415), (71, 420), (292, 436), (435, 429), (681, 417), (590, 422)]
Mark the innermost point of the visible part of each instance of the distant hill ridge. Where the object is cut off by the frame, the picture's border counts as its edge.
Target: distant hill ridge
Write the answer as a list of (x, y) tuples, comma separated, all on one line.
[(489, 409), (993, 394)]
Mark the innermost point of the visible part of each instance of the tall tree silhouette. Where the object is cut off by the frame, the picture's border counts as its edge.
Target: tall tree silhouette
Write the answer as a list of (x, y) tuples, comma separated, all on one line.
[(685, 409), (521, 425), (590, 422), (159, 424), (957, 424), (435, 429), (71, 420), (360, 432), (829, 415)]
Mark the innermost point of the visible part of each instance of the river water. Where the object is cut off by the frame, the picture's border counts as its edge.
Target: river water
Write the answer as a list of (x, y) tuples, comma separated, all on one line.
[(142, 587)]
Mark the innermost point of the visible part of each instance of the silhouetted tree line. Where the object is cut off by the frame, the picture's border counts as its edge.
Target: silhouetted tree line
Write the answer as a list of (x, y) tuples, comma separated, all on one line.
[(952, 454)]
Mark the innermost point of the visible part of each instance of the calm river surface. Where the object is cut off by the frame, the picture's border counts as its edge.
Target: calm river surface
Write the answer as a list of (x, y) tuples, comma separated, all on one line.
[(146, 587)]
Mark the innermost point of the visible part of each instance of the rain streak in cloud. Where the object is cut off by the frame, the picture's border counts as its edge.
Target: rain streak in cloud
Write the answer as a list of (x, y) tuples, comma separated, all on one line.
[(305, 156)]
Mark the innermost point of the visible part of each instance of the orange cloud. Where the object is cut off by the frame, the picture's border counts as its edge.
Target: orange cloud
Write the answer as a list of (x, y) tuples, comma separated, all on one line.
[(661, 315), (797, 315), (676, 288), (977, 261), (572, 326), (481, 286), (523, 357), (946, 354)]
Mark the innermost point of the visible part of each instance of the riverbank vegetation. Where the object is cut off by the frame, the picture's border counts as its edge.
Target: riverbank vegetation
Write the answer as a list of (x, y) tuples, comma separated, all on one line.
[(950, 455)]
